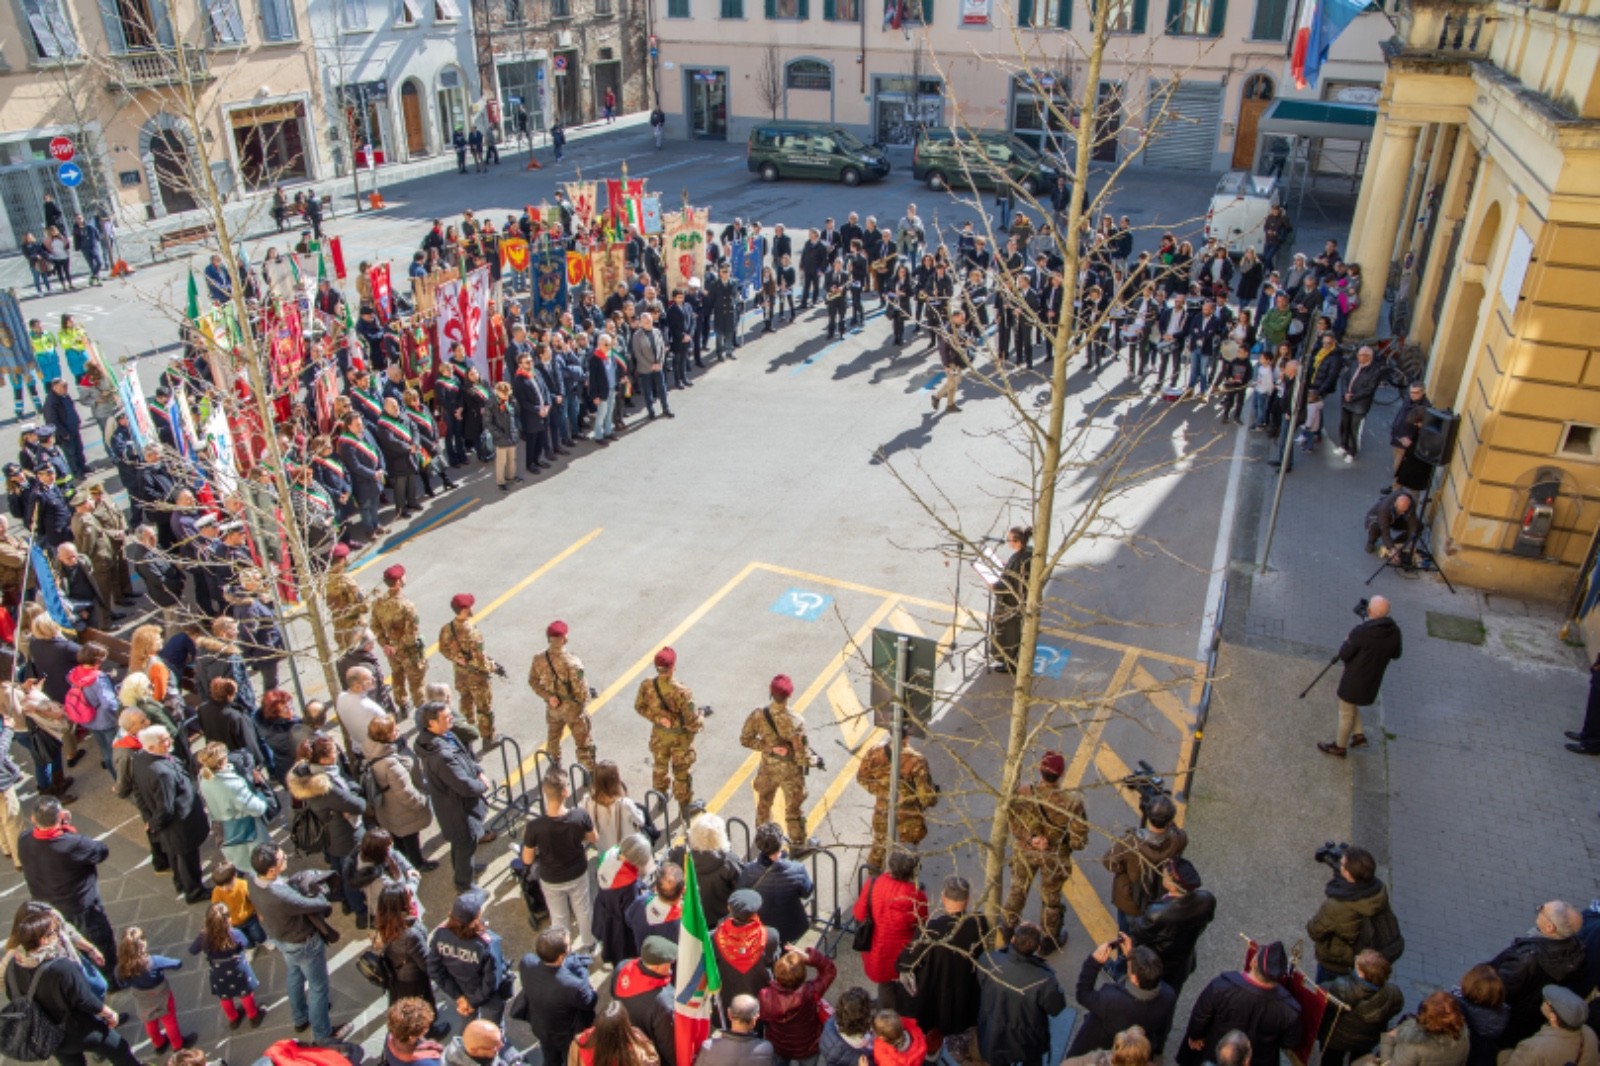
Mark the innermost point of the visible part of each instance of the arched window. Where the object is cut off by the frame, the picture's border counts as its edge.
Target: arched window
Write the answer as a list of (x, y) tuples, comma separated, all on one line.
[(809, 74)]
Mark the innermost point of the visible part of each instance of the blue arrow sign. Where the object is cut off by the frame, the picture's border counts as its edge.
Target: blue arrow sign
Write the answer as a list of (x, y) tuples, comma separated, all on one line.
[(70, 175)]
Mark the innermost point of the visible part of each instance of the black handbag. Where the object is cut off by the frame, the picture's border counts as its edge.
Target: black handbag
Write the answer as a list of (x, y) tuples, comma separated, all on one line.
[(862, 941), (27, 1033), (374, 966)]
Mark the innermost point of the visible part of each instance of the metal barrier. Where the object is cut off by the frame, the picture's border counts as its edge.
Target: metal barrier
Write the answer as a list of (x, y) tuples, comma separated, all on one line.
[(1203, 708), (510, 800), (739, 825), (579, 777), (655, 801), (831, 919)]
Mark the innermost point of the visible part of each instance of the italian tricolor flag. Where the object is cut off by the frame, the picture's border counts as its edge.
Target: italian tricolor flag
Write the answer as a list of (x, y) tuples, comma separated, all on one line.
[(697, 979)]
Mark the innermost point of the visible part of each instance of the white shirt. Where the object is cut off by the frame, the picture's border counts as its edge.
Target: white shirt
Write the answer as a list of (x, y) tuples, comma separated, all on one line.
[(356, 714)]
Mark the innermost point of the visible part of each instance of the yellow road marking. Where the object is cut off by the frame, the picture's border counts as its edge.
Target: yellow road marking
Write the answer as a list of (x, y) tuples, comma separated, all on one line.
[(848, 710), (901, 622), (805, 575), (1102, 716), (1163, 698), (1112, 770), (860, 637), (1089, 908), (544, 568)]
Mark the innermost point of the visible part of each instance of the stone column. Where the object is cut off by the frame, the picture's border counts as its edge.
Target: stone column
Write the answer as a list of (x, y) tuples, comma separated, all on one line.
[(1383, 194)]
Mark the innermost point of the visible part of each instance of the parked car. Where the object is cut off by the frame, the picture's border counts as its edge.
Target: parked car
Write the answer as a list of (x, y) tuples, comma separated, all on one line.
[(946, 157), (1239, 207), (813, 150)]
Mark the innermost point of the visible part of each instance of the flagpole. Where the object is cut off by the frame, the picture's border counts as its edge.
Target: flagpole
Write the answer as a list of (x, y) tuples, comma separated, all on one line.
[(22, 599)]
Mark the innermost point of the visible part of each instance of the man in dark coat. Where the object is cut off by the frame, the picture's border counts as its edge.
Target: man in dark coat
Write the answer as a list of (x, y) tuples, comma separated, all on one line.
[(783, 884), (942, 958), (1393, 524), (47, 510), (557, 1000), (1367, 651), (1355, 402), (180, 822), (1018, 995), (61, 412), (164, 580), (1254, 1002), (644, 988), (457, 788), (1551, 955), (1401, 431), (1172, 924), (61, 867), (1144, 1000), (723, 294)]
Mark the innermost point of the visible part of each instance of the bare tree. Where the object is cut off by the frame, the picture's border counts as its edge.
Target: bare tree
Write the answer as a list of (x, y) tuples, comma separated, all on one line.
[(769, 80)]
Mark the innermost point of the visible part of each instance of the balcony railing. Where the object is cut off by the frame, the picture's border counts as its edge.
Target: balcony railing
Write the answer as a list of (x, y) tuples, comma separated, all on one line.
[(159, 66)]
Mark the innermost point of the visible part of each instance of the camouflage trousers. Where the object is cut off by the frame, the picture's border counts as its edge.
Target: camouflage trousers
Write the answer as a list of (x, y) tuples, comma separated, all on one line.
[(564, 716), (910, 828), (475, 703), (409, 672), (344, 633), (776, 774), (672, 754), (1053, 869)]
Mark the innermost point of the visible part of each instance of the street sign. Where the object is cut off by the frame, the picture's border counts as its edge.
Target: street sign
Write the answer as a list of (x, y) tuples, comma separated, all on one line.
[(538, 74), (62, 149), (654, 52), (916, 687), (561, 64), (70, 175)]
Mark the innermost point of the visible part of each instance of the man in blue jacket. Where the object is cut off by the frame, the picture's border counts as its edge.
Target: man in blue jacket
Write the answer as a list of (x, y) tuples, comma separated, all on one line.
[(465, 960), (557, 1000), (783, 884)]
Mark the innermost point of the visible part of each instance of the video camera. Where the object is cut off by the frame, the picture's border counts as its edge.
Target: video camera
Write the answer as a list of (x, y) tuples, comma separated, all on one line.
[(1331, 854), (1361, 608), (1148, 784)]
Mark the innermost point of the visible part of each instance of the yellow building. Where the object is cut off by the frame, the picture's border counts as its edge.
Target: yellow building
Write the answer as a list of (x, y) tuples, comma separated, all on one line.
[(106, 74), (1484, 184)]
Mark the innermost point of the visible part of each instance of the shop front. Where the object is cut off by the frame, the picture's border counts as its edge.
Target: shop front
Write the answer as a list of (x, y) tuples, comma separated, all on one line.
[(272, 143), (708, 102)]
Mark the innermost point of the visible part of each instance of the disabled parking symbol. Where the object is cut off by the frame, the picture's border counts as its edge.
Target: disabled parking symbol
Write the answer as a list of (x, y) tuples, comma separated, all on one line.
[(798, 603), (1050, 662)]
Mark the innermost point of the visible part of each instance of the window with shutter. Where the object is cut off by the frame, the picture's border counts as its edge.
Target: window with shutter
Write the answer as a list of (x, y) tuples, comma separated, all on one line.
[(1063, 14), (842, 10), (116, 38), (50, 31), (1024, 12), (560, 9), (446, 11), (1196, 18), (678, 9), (733, 9), (353, 14), (410, 12), (277, 20), (227, 25), (1271, 19)]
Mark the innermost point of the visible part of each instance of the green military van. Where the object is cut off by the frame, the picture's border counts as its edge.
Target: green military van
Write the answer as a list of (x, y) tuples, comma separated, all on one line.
[(978, 159), (813, 150)]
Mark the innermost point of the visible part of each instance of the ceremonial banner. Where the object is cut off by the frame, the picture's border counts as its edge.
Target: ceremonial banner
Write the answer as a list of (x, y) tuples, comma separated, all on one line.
[(424, 290), (747, 256), (514, 254), (583, 196), (633, 201), (607, 266), (182, 424), (686, 246), (652, 214), (49, 594), (336, 249), (283, 278), (324, 390), (284, 335), (615, 210), (464, 318), (382, 291), (16, 351), (217, 450), (577, 269), (549, 285), (131, 393)]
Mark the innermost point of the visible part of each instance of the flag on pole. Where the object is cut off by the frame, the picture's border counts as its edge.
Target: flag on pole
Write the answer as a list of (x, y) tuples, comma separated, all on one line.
[(1319, 25), (193, 310), (698, 981), (50, 596)]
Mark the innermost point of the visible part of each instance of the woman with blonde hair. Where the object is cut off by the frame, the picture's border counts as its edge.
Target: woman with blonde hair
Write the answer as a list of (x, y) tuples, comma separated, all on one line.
[(138, 693), (1130, 1048), (144, 657), (236, 809)]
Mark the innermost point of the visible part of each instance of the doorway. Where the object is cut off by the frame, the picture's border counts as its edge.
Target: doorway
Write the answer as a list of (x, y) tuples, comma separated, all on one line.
[(173, 183), (411, 116), (1259, 90), (567, 110), (1107, 122), (607, 75), (1041, 112), (708, 104)]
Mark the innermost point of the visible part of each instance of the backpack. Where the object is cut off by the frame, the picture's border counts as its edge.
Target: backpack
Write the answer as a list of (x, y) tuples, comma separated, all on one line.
[(307, 832), (77, 706), (27, 1034), (1382, 934), (370, 789)]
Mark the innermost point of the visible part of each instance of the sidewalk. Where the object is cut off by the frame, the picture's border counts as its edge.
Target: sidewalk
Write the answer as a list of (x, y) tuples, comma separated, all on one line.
[(139, 242), (1466, 796)]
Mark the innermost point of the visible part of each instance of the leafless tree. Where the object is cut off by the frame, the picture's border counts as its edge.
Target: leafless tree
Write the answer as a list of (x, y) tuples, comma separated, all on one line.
[(769, 80)]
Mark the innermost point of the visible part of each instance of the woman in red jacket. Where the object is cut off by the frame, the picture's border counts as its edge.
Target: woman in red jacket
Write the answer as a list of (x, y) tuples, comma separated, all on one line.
[(898, 907), (789, 1004)]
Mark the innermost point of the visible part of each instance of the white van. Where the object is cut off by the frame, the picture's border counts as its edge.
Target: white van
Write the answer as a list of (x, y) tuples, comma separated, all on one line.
[(1239, 207)]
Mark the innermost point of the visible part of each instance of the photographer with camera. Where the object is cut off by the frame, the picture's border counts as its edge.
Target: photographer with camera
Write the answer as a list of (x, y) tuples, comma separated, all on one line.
[(1135, 860), (1355, 913), (297, 925), (1367, 651), (1392, 526), (1143, 999), (1172, 924)]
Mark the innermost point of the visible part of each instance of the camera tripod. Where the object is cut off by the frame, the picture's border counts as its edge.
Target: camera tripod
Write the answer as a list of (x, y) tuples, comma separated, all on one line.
[(1416, 555)]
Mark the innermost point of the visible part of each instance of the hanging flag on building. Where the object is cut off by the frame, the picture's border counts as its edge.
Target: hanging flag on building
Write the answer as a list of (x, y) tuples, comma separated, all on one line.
[(1319, 25)]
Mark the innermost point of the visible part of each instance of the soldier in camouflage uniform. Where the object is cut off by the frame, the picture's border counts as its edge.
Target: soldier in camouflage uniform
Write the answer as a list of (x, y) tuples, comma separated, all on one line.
[(917, 794), (1048, 824), (779, 736), (346, 601), (557, 677), (395, 624), (115, 523), (95, 544), (674, 720), (462, 644)]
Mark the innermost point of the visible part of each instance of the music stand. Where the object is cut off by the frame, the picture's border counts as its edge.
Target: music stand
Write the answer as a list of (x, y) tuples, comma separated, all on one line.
[(1417, 555)]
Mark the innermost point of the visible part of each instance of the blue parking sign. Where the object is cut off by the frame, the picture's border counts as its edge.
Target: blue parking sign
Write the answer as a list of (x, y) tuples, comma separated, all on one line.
[(1050, 662), (802, 604)]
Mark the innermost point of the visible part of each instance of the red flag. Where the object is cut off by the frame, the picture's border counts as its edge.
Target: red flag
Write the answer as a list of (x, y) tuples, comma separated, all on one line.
[(614, 199), (336, 247)]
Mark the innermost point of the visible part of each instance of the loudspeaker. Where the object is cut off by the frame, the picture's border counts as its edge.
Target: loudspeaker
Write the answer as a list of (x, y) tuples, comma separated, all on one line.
[(1436, 439)]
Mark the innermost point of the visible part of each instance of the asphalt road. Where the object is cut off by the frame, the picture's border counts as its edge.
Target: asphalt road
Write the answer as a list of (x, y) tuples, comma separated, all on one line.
[(780, 517)]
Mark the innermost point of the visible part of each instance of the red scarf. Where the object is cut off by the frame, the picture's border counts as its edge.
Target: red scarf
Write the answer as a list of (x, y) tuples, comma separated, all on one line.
[(52, 833), (740, 945), (634, 980)]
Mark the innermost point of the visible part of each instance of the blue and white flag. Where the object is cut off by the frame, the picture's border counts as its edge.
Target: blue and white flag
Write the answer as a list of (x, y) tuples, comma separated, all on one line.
[(49, 595)]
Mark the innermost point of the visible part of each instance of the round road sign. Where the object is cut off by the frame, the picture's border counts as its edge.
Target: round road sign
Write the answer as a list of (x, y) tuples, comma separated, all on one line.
[(70, 175), (61, 149)]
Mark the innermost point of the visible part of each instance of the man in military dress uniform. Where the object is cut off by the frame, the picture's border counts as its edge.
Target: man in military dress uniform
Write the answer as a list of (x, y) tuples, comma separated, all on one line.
[(96, 545), (462, 644), (674, 720), (917, 794), (557, 677), (779, 736), (346, 601), (395, 624), (1048, 824)]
